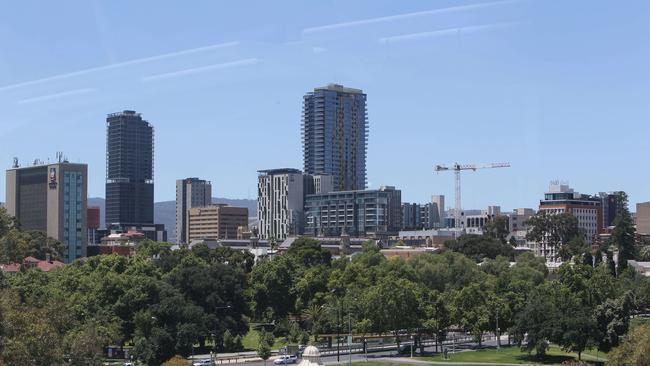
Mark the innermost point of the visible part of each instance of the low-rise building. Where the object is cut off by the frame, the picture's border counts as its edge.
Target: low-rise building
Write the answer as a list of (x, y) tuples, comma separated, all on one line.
[(643, 218), (216, 222), (356, 213)]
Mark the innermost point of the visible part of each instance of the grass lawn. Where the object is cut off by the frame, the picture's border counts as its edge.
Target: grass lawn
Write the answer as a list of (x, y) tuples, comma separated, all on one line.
[(251, 340), (554, 356)]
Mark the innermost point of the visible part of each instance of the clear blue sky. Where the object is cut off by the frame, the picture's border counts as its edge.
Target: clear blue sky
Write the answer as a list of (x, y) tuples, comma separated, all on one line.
[(557, 88)]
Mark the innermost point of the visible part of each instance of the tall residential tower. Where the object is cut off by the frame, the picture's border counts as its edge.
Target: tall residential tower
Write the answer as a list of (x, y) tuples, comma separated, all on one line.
[(335, 135), (129, 169)]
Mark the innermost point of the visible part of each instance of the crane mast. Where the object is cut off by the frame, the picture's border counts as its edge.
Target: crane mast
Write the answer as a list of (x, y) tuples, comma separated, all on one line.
[(457, 168)]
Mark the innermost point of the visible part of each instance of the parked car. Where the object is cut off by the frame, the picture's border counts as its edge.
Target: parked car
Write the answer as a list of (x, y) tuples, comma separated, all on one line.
[(405, 349), (205, 362), (286, 359)]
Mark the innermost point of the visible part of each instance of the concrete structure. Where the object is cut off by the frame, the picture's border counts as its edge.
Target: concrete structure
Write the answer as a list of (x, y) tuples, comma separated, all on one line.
[(310, 357), (280, 197), (190, 193), (518, 228), (320, 184), (335, 135), (337, 245), (52, 198), (474, 223), (587, 209), (642, 268), (438, 202), (155, 232), (216, 222), (420, 216), (643, 218), (357, 213), (426, 238), (129, 169)]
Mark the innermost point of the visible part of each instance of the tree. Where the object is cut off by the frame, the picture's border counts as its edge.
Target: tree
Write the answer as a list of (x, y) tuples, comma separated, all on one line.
[(437, 315), (471, 310), (309, 252), (497, 228), (391, 305), (612, 321), (623, 235), (176, 361), (264, 345), (635, 350), (479, 247), (552, 230)]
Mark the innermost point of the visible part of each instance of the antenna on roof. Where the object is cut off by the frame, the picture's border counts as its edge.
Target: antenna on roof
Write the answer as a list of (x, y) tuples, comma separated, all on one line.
[(16, 165)]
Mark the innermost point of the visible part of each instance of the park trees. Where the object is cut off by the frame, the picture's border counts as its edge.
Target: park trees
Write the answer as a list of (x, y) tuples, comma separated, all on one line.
[(479, 247), (623, 235), (553, 230)]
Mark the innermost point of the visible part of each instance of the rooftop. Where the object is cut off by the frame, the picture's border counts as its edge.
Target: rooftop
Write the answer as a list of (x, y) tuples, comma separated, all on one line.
[(279, 171), (339, 88)]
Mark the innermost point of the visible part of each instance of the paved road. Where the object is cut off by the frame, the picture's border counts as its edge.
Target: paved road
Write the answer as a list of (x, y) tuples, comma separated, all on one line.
[(383, 355)]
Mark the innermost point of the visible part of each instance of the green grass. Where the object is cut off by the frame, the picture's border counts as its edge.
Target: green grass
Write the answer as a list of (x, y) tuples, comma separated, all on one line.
[(252, 338), (554, 356)]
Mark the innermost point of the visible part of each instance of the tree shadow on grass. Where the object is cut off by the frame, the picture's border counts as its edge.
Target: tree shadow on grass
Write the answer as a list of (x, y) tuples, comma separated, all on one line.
[(546, 359)]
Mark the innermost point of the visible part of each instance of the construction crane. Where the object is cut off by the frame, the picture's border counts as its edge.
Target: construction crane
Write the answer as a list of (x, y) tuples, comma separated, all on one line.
[(456, 168)]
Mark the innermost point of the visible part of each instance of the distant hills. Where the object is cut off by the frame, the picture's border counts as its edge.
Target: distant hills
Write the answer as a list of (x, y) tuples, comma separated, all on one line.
[(165, 211)]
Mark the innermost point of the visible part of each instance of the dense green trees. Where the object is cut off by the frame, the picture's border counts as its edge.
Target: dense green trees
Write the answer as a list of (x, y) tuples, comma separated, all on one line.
[(162, 307), (163, 302), (479, 247)]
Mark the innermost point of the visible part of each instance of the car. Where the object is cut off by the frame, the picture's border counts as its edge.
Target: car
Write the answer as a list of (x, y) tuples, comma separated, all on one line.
[(205, 362), (128, 364), (405, 349), (286, 359)]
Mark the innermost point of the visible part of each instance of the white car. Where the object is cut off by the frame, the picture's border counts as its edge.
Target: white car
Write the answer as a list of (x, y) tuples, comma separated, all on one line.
[(202, 363), (283, 360)]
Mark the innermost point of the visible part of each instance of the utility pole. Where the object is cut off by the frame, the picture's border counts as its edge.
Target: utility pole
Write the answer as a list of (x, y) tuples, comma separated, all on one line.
[(498, 335), (349, 336)]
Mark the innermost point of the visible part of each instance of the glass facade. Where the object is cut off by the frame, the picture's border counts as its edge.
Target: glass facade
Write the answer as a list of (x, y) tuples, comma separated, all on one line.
[(73, 209), (129, 169), (357, 213), (334, 135)]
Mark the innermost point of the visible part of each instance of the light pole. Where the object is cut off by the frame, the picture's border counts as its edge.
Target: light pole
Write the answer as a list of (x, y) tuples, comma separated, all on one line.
[(498, 337), (412, 344)]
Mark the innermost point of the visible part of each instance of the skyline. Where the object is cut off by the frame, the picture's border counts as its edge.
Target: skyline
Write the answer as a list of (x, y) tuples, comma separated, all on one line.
[(444, 81)]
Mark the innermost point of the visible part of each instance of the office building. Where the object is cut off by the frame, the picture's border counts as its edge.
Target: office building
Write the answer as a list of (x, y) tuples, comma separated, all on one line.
[(356, 213), (643, 218), (129, 169), (51, 198), (610, 204), (216, 222), (280, 197), (335, 135), (438, 201), (587, 210), (420, 216), (190, 193)]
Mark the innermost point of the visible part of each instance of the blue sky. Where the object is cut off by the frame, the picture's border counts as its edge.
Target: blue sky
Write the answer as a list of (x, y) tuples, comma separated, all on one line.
[(557, 88)]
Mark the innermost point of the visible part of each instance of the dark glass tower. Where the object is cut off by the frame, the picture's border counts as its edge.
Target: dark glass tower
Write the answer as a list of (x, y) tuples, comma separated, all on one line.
[(129, 169), (335, 135)]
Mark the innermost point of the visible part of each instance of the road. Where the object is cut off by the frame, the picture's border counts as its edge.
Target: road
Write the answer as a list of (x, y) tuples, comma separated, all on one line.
[(344, 357)]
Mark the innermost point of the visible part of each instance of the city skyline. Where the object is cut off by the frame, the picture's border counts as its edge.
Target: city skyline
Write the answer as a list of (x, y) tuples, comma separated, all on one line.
[(446, 82)]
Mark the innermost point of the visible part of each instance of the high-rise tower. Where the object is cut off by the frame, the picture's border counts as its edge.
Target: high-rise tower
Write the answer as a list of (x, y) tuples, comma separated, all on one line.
[(335, 135), (129, 169)]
